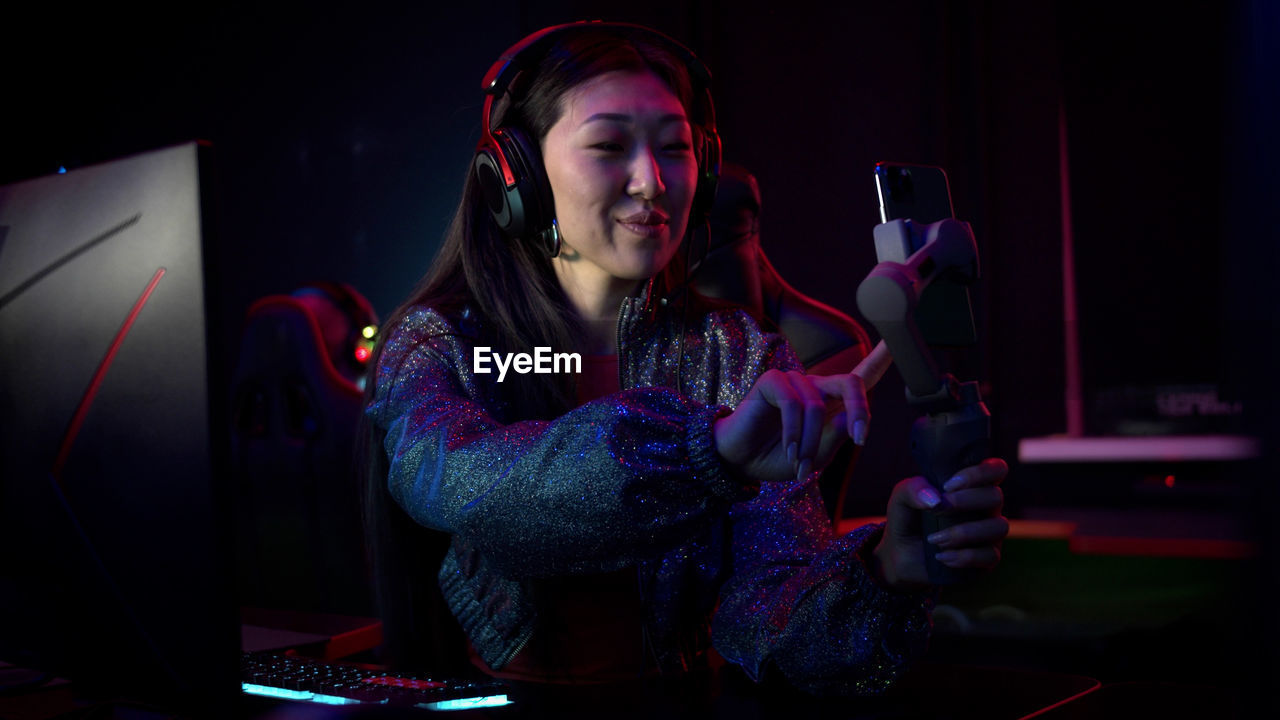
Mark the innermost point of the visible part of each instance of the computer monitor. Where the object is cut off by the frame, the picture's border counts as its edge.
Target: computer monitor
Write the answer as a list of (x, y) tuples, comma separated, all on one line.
[(115, 562)]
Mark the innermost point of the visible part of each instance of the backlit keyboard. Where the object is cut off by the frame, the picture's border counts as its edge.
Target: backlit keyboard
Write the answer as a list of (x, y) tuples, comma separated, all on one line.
[(293, 678)]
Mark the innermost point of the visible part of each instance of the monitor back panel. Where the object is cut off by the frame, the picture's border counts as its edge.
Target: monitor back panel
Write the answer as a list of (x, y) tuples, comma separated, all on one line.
[(114, 564)]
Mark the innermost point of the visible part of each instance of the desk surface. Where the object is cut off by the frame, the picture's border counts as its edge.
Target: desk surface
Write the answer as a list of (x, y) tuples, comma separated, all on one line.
[(1137, 532), (1163, 448), (929, 691)]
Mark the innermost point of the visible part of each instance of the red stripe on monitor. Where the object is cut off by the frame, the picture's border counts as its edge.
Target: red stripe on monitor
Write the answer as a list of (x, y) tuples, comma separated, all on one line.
[(86, 400)]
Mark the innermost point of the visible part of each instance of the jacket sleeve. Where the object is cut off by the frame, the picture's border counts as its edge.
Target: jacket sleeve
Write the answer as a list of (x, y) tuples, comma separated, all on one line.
[(803, 602), (617, 479)]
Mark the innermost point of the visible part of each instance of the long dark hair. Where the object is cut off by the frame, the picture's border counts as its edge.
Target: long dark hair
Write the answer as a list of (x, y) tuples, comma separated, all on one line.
[(510, 282), (511, 286)]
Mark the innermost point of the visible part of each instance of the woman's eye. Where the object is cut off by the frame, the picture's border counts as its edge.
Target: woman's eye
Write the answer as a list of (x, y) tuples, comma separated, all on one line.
[(608, 146), (677, 147)]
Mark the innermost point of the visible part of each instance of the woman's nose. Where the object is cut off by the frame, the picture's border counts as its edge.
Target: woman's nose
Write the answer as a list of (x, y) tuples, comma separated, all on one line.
[(646, 175)]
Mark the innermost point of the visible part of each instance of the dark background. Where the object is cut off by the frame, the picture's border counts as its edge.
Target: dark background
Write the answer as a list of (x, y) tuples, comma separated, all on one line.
[(342, 133)]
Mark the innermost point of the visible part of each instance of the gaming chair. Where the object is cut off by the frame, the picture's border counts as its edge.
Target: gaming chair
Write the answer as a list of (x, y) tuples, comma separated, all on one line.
[(296, 405)]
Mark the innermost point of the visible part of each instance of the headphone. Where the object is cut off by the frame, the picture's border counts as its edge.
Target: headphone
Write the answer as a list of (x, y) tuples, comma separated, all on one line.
[(508, 164), (362, 324)]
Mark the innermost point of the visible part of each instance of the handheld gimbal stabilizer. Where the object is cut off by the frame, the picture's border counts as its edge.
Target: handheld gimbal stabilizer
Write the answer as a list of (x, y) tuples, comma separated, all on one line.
[(954, 430)]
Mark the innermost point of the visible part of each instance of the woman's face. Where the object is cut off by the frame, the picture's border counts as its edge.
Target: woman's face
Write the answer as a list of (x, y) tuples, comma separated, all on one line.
[(623, 172)]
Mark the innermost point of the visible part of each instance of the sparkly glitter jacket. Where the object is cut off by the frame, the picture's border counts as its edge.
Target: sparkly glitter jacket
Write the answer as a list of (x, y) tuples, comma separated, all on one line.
[(633, 480)]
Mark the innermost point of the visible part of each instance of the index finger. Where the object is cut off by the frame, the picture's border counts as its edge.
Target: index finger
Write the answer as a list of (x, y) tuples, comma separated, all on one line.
[(874, 365), (852, 398)]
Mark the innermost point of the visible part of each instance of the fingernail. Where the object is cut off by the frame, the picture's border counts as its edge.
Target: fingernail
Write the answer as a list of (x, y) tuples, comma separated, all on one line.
[(953, 483), (806, 467), (938, 537), (929, 497), (791, 454), (947, 557), (860, 432)]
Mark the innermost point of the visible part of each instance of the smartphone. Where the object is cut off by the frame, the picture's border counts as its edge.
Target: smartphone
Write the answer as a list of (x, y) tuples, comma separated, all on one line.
[(920, 193)]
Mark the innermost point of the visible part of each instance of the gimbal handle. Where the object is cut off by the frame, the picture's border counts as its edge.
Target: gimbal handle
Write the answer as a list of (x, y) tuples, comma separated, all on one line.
[(954, 430)]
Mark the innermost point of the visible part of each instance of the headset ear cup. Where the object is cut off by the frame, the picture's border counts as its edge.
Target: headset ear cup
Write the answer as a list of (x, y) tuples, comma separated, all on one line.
[(505, 206), (524, 211), (532, 185)]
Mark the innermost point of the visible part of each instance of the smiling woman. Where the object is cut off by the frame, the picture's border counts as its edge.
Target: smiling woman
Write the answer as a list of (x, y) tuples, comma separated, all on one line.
[(624, 521), (622, 171)]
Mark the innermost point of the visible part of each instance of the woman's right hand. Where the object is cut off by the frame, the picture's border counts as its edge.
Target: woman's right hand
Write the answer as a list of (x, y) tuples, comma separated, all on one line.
[(791, 424)]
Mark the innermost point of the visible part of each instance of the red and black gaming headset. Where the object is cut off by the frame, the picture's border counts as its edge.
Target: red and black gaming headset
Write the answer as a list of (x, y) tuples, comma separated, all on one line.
[(508, 164)]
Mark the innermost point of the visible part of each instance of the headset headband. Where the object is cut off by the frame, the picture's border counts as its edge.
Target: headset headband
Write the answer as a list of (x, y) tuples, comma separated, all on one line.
[(505, 68), (524, 53)]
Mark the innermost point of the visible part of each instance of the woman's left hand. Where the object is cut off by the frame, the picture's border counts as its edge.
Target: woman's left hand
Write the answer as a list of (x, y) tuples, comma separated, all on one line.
[(899, 558)]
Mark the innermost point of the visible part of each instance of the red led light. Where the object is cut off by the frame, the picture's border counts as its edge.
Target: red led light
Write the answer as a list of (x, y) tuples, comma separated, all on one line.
[(362, 354), (1169, 481)]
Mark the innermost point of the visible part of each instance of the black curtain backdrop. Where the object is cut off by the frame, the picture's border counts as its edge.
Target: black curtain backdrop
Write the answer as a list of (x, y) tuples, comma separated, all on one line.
[(342, 135)]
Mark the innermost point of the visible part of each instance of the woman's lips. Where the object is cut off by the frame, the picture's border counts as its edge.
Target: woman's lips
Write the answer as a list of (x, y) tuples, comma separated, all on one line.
[(649, 223)]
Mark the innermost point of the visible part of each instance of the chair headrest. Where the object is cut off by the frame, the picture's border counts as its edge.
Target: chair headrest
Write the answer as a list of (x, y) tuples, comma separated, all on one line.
[(736, 269), (731, 268), (735, 217)]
